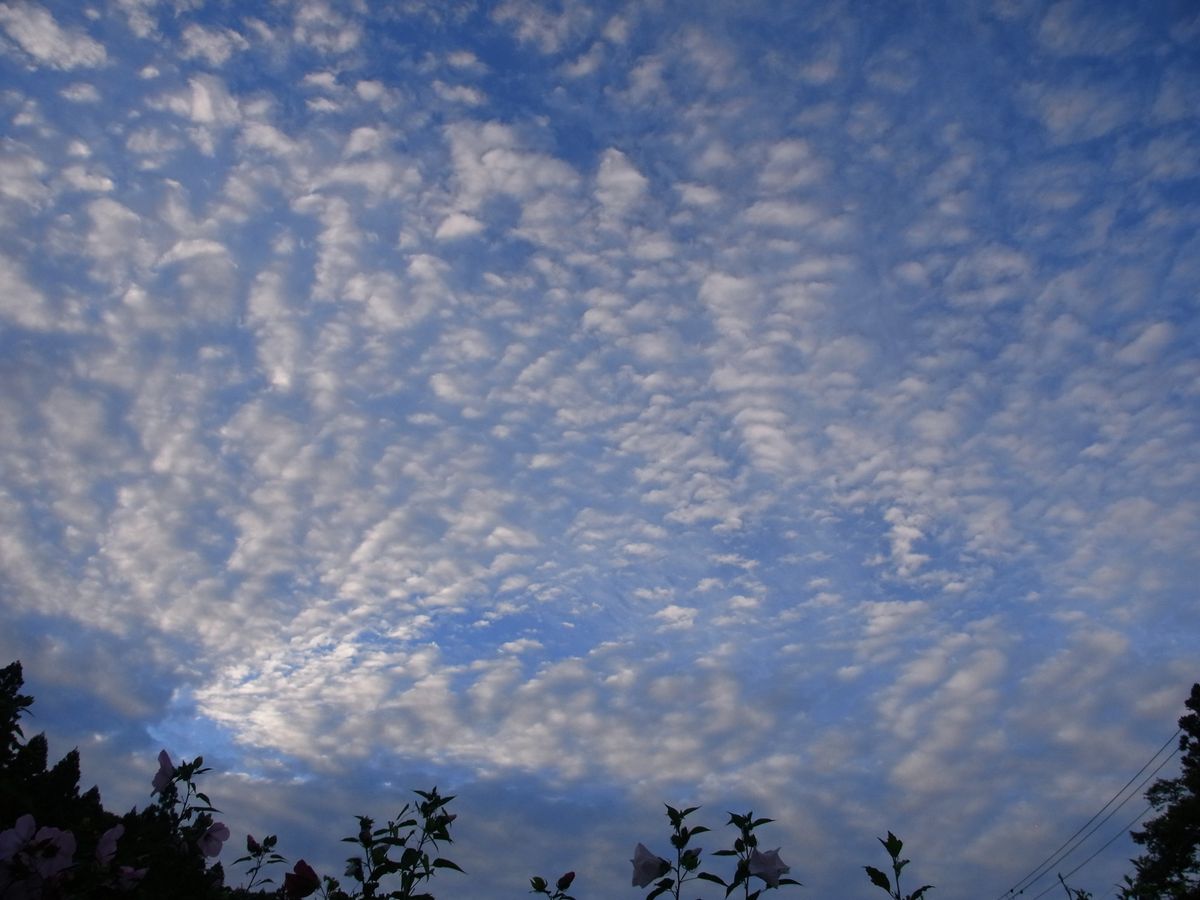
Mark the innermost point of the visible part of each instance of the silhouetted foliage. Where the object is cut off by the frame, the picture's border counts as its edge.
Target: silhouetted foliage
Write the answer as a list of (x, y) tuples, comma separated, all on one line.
[(1074, 893), (12, 704), (29, 786), (893, 845), (154, 855), (57, 843), (1170, 867)]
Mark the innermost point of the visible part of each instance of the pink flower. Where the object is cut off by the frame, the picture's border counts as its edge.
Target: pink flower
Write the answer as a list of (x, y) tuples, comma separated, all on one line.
[(32, 857), (128, 877), (647, 866), (301, 881), (106, 848), (166, 771), (768, 866), (211, 841)]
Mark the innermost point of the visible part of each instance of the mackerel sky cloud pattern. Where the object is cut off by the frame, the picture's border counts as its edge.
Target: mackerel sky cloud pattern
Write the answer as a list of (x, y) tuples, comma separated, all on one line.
[(584, 406)]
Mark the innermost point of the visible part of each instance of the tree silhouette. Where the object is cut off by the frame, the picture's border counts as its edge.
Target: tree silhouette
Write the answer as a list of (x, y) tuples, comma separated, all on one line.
[(1170, 867)]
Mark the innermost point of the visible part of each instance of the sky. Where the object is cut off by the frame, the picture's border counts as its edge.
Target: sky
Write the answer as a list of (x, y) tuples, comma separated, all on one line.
[(586, 406)]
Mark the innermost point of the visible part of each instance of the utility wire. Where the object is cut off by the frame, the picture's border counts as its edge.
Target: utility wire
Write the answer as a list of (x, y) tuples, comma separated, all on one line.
[(1128, 826), (1097, 826), (1103, 846), (1054, 858)]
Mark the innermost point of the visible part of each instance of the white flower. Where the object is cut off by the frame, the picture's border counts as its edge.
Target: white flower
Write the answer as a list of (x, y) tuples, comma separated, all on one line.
[(768, 866), (647, 866)]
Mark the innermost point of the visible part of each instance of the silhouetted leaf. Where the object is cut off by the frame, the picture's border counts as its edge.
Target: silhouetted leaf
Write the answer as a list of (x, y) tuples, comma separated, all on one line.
[(893, 845), (878, 878)]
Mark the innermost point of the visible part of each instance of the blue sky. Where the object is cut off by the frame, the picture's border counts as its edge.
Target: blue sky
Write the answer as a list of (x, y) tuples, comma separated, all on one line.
[(586, 406)]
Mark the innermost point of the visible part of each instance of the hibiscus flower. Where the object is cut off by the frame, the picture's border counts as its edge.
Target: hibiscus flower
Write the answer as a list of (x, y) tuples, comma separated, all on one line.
[(647, 866), (768, 866), (301, 881), (166, 771), (210, 842)]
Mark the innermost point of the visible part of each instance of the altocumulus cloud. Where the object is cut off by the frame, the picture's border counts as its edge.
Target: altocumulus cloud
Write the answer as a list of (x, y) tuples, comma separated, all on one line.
[(581, 406)]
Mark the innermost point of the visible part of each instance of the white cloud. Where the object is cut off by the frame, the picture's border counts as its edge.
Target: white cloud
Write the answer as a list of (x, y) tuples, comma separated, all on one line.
[(116, 242), (951, 733), (281, 342), (534, 24), (782, 214), (325, 27), (21, 303), (619, 185), (617, 29), (139, 15), (81, 179), (214, 45), (264, 136), (364, 140), (210, 103), (460, 93), (789, 165), (465, 60), (646, 82), (1076, 29), (370, 90), (1147, 345), (586, 64), (192, 249), (81, 92), (321, 81), (520, 645), (490, 160), (990, 275), (1174, 91), (823, 66), (39, 34), (1085, 111), (22, 177), (701, 195), (458, 225)]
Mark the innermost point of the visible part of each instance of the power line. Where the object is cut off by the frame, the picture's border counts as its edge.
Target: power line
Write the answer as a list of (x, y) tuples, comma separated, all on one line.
[(1097, 827), (1058, 855), (1104, 846), (1128, 826), (1075, 846)]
